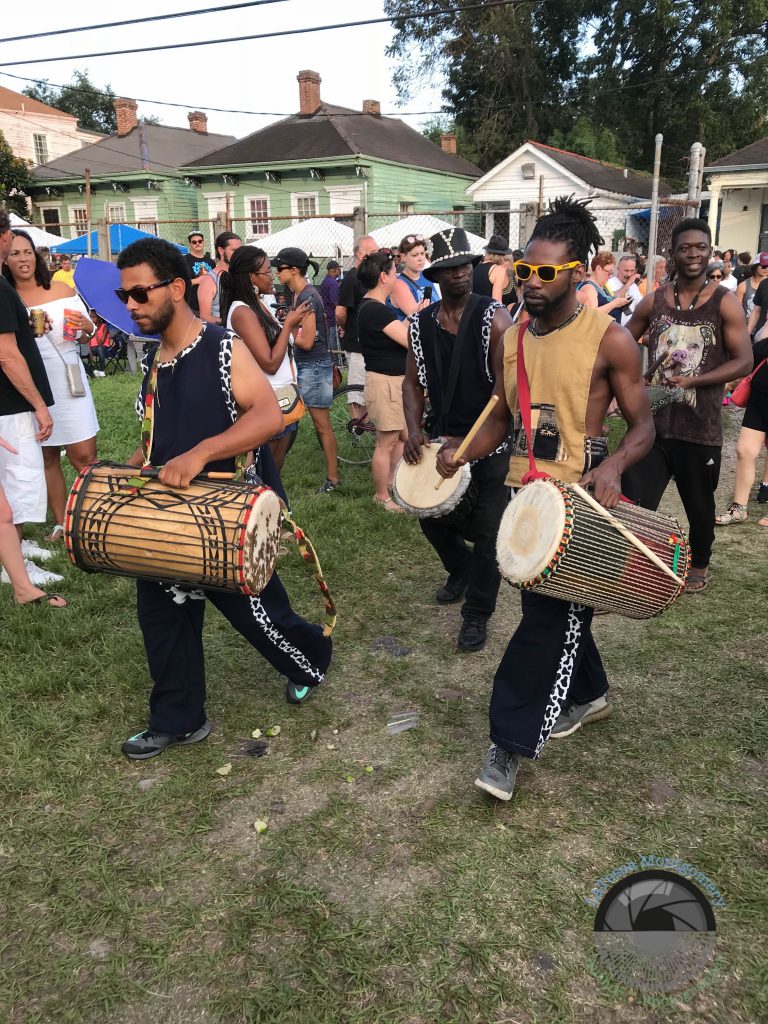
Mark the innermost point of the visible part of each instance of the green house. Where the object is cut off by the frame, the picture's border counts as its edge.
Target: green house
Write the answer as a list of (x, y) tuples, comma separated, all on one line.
[(325, 161), (134, 176)]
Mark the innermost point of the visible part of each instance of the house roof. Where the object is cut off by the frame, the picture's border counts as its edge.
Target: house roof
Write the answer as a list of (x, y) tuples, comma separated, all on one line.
[(166, 148), (333, 131), (10, 100), (754, 154), (607, 177), (595, 173)]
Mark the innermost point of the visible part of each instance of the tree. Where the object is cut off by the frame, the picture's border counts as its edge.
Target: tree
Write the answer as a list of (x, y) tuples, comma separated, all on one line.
[(93, 107), (585, 138), (14, 179), (509, 71)]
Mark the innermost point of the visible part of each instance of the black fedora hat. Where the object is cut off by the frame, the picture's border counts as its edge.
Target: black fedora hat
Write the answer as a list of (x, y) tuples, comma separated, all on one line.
[(450, 248), (498, 245)]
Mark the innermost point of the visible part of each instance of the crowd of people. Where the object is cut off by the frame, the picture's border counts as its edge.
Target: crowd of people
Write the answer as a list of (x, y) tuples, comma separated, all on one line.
[(430, 333)]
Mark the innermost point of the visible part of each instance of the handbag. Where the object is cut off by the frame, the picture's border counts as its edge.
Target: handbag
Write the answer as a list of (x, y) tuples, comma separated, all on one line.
[(742, 391), (73, 375), (290, 401)]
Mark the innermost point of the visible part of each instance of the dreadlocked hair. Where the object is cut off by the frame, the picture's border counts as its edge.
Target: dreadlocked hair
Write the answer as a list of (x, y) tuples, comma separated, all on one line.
[(236, 286), (569, 220)]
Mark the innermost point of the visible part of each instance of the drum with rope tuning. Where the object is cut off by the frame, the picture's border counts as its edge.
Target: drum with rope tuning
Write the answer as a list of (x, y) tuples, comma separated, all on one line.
[(414, 488)]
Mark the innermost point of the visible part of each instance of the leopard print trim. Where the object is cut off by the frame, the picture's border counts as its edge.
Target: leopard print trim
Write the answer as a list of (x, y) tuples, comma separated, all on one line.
[(485, 335), (276, 637), (573, 630), (225, 370), (414, 338)]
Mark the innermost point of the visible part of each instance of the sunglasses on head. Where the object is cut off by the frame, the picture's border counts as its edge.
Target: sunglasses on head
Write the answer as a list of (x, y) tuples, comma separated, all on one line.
[(389, 253), (140, 293), (410, 239), (546, 272)]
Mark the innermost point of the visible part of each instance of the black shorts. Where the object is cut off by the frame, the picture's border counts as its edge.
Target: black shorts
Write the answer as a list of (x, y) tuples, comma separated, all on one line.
[(756, 413)]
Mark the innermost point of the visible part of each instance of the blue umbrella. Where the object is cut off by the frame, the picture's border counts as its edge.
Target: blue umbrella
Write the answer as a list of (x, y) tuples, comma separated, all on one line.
[(120, 236), (96, 281)]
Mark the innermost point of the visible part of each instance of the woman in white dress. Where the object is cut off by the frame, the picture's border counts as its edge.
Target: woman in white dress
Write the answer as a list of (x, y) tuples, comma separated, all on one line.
[(244, 311), (74, 417)]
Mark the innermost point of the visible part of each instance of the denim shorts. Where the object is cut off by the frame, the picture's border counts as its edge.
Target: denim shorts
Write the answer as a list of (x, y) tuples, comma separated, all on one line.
[(315, 380)]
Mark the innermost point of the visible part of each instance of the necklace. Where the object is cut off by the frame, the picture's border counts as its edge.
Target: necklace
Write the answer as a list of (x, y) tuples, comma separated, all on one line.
[(676, 293), (569, 320)]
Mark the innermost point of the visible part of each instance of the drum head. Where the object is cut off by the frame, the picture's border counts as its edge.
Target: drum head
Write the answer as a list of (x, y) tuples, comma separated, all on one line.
[(413, 487), (531, 531), (262, 539)]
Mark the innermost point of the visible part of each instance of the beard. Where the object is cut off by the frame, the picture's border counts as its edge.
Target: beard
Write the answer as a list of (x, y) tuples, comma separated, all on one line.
[(537, 304), (158, 322)]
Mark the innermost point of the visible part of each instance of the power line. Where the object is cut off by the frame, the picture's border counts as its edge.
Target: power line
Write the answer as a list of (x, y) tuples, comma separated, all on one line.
[(140, 21), (431, 12)]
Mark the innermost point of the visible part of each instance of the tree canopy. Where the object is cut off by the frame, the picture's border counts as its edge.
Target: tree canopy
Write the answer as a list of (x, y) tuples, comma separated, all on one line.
[(14, 179), (92, 106), (601, 79)]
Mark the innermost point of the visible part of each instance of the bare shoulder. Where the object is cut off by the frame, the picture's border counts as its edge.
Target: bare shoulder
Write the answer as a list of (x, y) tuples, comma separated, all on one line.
[(502, 320), (60, 290), (730, 306), (618, 347)]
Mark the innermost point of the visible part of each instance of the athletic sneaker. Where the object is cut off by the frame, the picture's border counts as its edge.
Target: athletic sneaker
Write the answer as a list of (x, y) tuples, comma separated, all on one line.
[(497, 776), (31, 550), (328, 486), (40, 577), (296, 693), (573, 716), (150, 744), (734, 513)]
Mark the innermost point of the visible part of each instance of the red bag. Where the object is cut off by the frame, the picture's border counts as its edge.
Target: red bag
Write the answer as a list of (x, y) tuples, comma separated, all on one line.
[(742, 391)]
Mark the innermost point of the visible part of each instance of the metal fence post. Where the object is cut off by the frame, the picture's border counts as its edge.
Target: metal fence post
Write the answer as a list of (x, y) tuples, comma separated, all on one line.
[(102, 239), (654, 222), (359, 226)]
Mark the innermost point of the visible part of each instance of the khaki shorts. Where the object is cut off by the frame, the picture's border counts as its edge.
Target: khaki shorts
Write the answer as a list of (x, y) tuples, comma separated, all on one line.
[(384, 398)]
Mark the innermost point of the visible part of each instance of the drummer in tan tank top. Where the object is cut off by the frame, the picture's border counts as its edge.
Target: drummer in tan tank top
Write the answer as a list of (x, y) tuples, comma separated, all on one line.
[(551, 679)]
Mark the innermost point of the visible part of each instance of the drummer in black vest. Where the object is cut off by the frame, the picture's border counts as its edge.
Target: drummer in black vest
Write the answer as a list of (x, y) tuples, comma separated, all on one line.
[(209, 404), (451, 353)]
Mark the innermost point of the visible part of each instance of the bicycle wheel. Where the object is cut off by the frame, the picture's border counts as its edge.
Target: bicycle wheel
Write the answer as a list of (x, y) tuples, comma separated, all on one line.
[(355, 438)]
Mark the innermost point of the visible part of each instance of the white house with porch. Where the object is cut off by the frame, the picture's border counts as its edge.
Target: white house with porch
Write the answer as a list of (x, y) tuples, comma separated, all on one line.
[(738, 205), (513, 191)]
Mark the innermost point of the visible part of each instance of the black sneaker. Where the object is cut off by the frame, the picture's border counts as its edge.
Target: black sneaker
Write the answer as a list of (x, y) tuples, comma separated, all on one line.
[(298, 693), (150, 744), (497, 776), (473, 633), (328, 486), (762, 494), (453, 589)]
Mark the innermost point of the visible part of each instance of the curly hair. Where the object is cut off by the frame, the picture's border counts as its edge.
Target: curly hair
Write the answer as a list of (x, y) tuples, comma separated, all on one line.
[(568, 220)]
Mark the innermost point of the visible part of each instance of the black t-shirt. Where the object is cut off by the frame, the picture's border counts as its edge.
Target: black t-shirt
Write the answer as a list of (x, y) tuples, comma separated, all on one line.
[(14, 319), (351, 294), (381, 354), (761, 300), (196, 265)]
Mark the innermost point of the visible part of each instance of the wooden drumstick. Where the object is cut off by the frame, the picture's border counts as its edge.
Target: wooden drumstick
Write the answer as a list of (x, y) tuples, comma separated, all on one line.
[(471, 434), (635, 541), (152, 473)]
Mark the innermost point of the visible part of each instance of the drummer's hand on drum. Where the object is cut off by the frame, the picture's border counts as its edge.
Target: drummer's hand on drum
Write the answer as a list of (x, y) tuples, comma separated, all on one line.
[(445, 465), (605, 483), (179, 471), (412, 448)]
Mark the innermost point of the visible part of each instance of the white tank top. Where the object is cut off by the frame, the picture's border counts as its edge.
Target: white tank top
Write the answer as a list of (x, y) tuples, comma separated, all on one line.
[(284, 373)]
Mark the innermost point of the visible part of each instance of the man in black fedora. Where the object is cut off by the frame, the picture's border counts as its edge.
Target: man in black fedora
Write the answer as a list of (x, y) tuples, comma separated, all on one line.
[(491, 276), (451, 354)]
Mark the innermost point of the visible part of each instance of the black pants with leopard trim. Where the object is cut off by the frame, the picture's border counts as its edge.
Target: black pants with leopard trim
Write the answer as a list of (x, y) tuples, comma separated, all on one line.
[(171, 620), (551, 658)]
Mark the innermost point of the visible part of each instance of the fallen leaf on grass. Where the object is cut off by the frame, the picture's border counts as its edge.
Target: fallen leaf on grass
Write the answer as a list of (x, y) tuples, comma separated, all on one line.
[(260, 826), (501, 827), (313, 735), (225, 769), (330, 746), (273, 731), (350, 778), (255, 734)]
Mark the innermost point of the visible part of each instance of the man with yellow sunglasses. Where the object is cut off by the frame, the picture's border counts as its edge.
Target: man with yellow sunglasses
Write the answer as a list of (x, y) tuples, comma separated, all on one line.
[(551, 679)]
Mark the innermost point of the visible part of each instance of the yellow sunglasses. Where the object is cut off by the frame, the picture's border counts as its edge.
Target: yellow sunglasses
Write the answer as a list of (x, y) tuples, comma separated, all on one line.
[(546, 272)]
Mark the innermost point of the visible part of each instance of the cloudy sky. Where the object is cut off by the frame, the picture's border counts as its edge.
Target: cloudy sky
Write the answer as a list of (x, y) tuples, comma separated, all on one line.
[(254, 75)]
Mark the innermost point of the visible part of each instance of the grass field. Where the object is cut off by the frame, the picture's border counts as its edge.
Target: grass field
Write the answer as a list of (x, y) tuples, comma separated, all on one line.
[(386, 887)]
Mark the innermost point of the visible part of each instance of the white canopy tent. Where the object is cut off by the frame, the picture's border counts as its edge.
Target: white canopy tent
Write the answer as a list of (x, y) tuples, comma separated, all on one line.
[(320, 237), (419, 224), (38, 236)]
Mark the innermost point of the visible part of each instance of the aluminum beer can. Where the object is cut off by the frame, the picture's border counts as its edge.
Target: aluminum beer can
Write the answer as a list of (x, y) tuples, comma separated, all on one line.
[(38, 322)]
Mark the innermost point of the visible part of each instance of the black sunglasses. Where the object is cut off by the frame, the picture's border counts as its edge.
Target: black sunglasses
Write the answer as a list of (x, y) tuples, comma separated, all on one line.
[(715, 277), (140, 293), (196, 241)]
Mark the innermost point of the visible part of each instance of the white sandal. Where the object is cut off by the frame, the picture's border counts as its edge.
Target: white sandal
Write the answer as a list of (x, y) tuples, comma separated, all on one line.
[(388, 504)]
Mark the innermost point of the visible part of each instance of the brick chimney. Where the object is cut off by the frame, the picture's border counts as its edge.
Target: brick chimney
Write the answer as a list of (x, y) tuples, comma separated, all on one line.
[(448, 143), (309, 92), (372, 107), (125, 114), (198, 122)]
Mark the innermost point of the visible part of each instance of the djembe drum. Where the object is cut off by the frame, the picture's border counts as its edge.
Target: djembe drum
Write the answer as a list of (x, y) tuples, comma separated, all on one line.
[(554, 539), (414, 488), (212, 534)]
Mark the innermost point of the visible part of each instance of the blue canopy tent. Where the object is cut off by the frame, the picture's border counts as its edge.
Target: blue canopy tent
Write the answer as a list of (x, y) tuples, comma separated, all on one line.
[(120, 236)]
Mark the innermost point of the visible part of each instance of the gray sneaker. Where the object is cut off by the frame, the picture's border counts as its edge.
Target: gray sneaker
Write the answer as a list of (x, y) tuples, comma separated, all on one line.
[(573, 716), (150, 744), (497, 776)]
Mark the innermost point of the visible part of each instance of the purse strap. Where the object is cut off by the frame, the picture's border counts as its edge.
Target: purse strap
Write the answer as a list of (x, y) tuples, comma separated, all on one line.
[(524, 400)]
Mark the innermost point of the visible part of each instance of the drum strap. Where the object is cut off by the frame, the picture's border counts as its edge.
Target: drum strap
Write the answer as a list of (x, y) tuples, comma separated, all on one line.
[(308, 553), (524, 400), (448, 388)]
